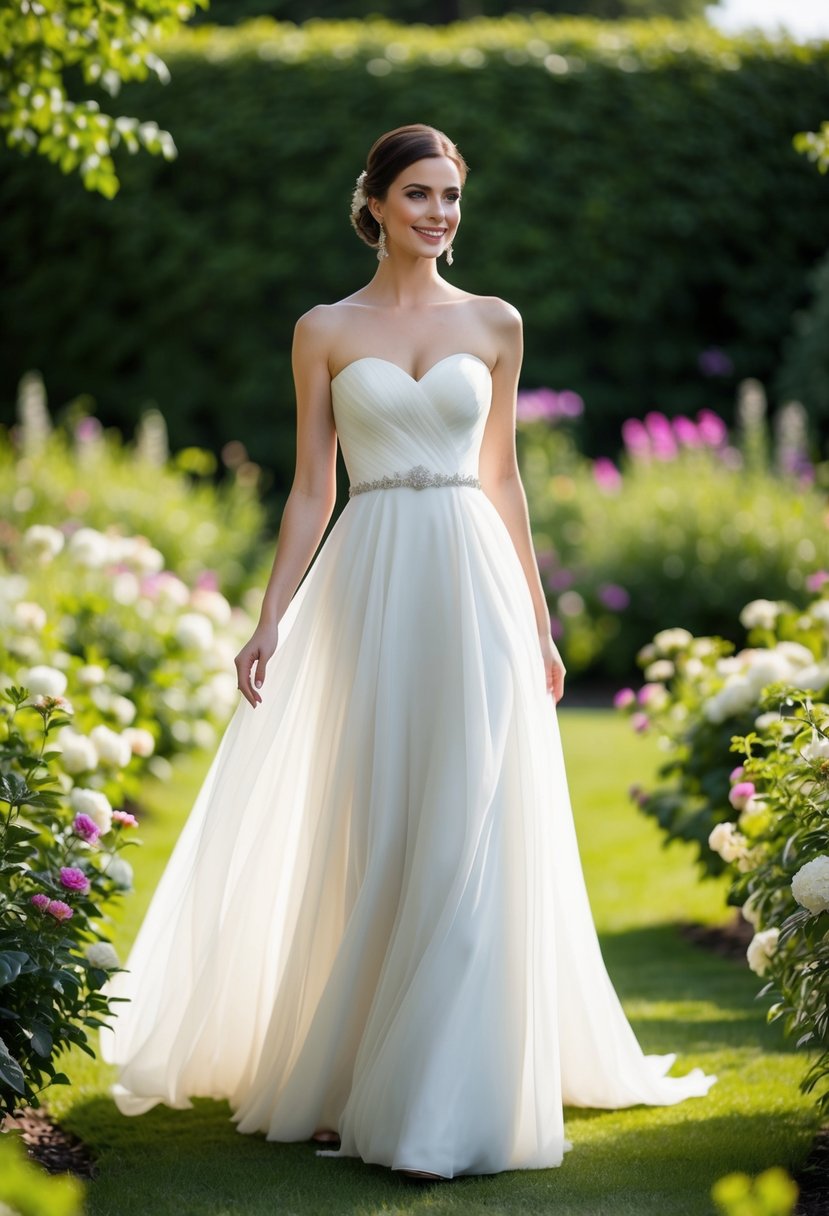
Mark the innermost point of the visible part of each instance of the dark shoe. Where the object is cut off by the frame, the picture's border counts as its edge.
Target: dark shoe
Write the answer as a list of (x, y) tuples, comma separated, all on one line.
[(326, 1137)]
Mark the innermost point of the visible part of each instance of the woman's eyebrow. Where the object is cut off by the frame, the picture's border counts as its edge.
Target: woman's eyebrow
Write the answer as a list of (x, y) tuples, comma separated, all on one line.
[(421, 186)]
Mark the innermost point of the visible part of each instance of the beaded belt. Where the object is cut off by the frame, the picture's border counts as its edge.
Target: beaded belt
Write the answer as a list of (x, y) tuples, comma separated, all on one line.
[(418, 477)]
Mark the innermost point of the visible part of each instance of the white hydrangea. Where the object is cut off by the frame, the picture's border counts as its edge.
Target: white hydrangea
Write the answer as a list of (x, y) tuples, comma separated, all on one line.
[(78, 754), (141, 741), (45, 681), (194, 631), (90, 548), (30, 616), (727, 841), (120, 871), (91, 674), (669, 641), (103, 955), (760, 950), (810, 885), (760, 614), (661, 669), (113, 749), (42, 542), (819, 611), (172, 592), (817, 749), (735, 697), (212, 604), (125, 588), (93, 803), (123, 709)]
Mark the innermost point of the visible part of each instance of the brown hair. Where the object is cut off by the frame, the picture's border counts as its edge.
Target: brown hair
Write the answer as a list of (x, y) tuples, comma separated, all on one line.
[(388, 156)]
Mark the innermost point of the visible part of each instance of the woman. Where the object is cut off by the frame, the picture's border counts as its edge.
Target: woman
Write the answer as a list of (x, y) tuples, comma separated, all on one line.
[(374, 927)]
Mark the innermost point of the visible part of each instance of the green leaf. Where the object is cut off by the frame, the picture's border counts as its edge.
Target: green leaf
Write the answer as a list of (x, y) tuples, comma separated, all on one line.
[(12, 963)]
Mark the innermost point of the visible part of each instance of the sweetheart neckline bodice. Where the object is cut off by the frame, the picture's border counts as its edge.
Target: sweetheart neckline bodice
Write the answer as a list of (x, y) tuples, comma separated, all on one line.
[(461, 354)]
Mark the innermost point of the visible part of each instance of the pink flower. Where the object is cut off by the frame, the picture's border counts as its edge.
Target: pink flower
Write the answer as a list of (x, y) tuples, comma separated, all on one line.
[(712, 430), (686, 431), (736, 773), (640, 723), (740, 794), (608, 477), (73, 879), (648, 691), (86, 828), (125, 819), (636, 437), (623, 698), (40, 901), (815, 581), (59, 910)]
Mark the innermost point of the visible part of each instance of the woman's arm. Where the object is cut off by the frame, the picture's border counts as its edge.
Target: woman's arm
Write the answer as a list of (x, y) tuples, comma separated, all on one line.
[(311, 500), (501, 478)]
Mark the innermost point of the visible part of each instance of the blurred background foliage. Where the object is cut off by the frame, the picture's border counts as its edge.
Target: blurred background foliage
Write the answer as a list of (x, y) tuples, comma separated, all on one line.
[(633, 190), (442, 12)]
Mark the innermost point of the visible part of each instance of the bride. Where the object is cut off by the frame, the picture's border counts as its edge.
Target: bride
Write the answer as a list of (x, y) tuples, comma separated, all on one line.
[(373, 931)]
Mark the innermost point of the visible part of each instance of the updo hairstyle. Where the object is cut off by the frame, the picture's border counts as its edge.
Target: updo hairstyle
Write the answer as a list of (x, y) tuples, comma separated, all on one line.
[(388, 156)]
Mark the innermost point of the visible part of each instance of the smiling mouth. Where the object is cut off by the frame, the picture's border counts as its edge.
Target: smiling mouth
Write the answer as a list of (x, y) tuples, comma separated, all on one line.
[(431, 234)]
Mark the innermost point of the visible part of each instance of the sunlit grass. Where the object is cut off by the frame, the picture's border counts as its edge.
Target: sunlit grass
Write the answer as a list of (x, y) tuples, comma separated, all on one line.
[(636, 1162)]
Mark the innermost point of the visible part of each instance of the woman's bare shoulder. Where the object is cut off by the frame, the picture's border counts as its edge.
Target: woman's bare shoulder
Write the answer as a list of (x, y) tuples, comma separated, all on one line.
[(497, 312)]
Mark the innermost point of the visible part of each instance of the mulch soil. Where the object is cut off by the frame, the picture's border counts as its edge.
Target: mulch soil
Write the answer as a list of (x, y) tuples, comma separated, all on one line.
[(58, 1151)]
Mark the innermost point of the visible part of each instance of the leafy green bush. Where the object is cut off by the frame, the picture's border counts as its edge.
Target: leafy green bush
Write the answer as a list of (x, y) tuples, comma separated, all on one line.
[(59, 871), (636, 195), (804, 374), (28, 1190), (766, 820), (687, 529)]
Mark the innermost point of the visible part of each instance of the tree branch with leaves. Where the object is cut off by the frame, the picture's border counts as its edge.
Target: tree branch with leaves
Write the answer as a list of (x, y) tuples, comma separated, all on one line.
[(45, 43)]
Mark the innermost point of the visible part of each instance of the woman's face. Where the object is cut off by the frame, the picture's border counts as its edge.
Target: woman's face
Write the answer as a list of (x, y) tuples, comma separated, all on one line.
[(421, 211)]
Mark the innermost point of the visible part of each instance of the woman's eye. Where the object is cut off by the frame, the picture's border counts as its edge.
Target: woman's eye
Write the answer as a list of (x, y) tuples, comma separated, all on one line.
[(453, 198)]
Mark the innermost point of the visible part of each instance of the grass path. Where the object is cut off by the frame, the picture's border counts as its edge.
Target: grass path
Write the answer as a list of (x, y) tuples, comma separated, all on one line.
[(644, 1161)]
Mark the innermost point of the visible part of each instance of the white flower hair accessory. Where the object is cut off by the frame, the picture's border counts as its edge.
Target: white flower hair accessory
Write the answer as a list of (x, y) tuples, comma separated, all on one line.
[(359, 197)]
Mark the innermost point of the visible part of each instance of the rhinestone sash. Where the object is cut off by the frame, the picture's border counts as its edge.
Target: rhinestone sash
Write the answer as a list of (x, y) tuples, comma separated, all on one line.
[(419, 477)]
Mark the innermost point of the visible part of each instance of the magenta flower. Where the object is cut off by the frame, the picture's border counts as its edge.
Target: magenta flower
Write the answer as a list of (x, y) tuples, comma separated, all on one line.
[(73, 879), (661, 435), (560, 580), (636, 438), (87, 429), (815, 581), (686, 432), (640, 723), (712, 430), (648, 691), (736, 773), (614, 597), (740, 794), (125, 819), (608, 477), (623, 698), (59, 910), (86, 828), (40, 901)]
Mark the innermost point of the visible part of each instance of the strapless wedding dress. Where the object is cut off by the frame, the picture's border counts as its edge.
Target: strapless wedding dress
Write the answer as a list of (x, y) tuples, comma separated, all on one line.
[(375, 918)]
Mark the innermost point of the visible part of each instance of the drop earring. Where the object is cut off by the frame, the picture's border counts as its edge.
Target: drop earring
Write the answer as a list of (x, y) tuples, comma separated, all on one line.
[(382, 251), (449, 258)]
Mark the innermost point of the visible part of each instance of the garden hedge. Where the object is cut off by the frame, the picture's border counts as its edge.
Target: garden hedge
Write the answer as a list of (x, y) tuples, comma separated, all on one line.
[(633, 191)]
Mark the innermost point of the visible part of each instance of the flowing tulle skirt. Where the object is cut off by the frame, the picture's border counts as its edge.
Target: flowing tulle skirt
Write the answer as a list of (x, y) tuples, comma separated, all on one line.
[(375, 918)]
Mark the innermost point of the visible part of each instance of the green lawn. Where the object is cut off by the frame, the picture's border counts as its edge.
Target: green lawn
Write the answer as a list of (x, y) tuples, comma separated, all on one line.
[(645, 1161)]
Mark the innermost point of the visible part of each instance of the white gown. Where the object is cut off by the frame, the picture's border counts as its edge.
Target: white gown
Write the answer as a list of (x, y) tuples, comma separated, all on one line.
[(375, 918)]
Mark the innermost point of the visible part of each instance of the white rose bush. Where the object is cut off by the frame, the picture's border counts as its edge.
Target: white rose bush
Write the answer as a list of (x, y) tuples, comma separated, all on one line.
[(746, 778)]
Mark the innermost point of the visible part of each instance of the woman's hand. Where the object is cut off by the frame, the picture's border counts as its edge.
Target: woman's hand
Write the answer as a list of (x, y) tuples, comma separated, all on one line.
[(258, 650), (553, 665)]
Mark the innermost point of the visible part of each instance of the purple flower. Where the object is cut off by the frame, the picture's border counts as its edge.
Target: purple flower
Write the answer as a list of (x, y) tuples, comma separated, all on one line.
[(640, 723), (715, 362), (556, 629), (86, 828), (125, 819), (648, 691), (40, 901), (73, 879), (661, 435), (815, 581), (623, 698), (712, 430), (608, 477), (570, 404), (547, 404), (561, 579), (614, 597), (59, 910)]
